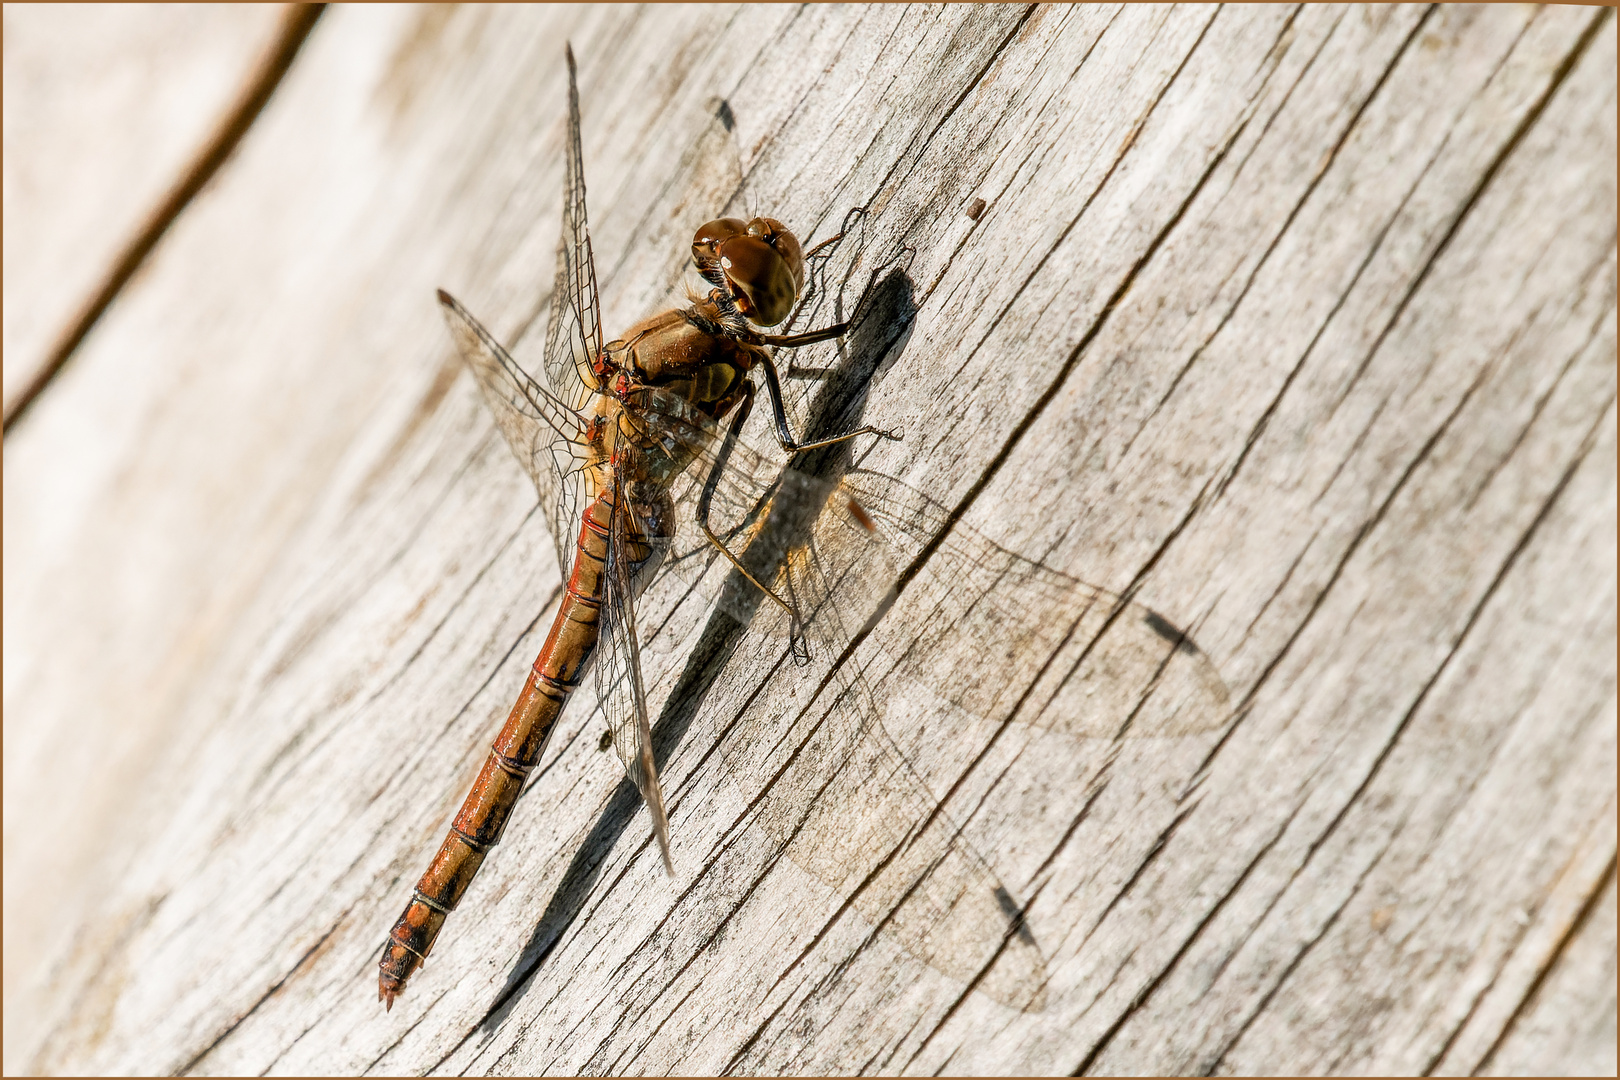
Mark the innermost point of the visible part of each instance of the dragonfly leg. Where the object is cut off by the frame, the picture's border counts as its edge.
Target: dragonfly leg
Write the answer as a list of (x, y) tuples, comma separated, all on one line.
[(833, 239), (810, 337), (814, 272), (784, 434), (711, 482)]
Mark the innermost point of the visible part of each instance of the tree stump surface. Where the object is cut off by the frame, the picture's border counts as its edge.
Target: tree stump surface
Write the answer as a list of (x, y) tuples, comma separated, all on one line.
[(1297, 324), (105, 108)]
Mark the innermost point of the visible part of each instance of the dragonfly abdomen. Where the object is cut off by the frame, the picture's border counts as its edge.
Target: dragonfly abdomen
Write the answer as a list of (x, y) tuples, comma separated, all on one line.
[(563, 662)]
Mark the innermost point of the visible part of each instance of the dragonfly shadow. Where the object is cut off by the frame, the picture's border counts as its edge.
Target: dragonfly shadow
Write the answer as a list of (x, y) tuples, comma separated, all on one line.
[(881, 327)]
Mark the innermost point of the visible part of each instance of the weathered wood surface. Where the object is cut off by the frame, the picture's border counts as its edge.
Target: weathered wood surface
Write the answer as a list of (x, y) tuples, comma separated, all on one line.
[(105, 106), (1304, 319)]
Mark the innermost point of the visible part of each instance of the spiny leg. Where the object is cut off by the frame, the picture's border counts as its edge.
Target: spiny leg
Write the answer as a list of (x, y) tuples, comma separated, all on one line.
[(814, 271), (784, 434), (705, 500)]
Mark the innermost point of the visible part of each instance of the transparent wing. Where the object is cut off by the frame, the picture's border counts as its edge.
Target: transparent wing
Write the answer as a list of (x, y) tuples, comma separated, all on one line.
[(620, 688), (574, 334), (1048, 649), (544, 425), (842, 545), (545, 433), (923, 639)]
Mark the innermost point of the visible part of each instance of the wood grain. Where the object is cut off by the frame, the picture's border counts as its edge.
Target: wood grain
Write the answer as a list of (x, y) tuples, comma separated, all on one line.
[(106, 108), (1298, 322)]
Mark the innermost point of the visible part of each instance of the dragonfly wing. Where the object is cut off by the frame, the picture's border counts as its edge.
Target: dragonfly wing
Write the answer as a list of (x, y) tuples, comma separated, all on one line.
[(842, 546), (1047, 649), (853, 810), (849, 809), (620, 686), (854, 813), (963, 640), (984, 637), (546, 434), (544, 425), (574, 334)]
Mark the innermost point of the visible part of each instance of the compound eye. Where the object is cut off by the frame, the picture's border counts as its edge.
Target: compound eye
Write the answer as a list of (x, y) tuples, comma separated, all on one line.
[(710, 235), (781, 238), (760, 280)]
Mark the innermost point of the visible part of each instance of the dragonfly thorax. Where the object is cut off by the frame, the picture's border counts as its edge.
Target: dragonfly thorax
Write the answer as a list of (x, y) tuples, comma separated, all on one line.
[(685, 353)]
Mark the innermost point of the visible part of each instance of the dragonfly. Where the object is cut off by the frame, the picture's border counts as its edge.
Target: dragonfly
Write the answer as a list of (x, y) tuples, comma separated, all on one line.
[(660, 507)]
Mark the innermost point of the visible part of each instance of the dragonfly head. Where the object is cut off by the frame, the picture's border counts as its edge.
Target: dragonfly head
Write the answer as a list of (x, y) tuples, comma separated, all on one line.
[(759, 263)]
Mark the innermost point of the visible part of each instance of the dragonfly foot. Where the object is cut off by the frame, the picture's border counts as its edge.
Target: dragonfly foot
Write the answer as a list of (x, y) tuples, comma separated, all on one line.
[(797, 646)]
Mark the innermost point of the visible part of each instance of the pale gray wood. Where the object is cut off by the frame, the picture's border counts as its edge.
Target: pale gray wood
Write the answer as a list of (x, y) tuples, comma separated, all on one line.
[(1303, 320), (1569, 1009), (105, 106)]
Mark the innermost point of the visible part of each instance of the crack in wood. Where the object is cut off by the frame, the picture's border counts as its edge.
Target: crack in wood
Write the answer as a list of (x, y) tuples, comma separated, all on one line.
[(1593, 333), (1258, 429), (1559, 75), (275, 987), (1400, 728), (296, 24), (1588, 906)]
